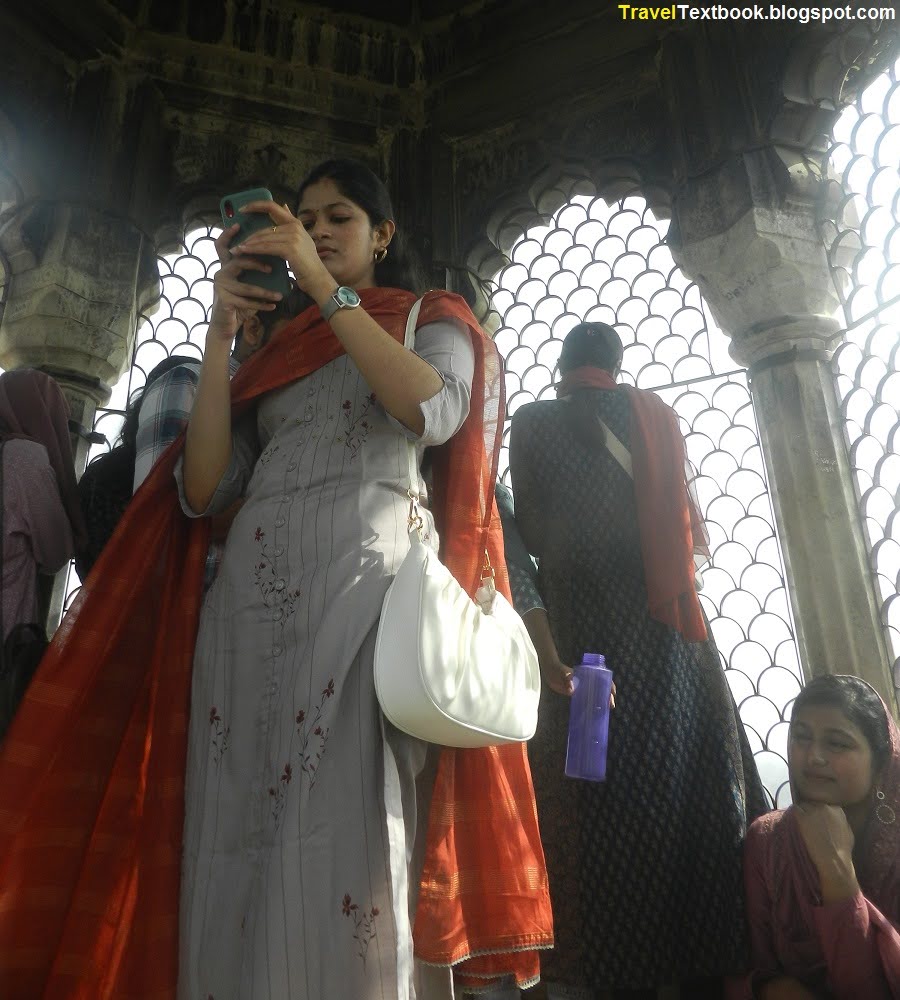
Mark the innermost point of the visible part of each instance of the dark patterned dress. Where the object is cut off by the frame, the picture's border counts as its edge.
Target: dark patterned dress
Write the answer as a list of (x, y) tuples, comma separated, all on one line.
[(645, 868)]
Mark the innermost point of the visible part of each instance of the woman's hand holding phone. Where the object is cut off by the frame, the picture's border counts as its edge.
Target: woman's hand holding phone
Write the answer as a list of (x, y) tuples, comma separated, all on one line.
[(233, 299), (287, 238)]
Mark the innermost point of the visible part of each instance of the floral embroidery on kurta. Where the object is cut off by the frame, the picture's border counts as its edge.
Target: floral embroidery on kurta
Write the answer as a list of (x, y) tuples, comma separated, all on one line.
[(363, 924), (313, 735), (220, 735), (357, 424), (274, 589), (278, 793), (269, 454)]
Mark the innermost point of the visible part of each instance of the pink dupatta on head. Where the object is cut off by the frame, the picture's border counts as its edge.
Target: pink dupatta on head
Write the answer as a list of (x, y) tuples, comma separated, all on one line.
[(879, 848), (793, 934), (877, 853)]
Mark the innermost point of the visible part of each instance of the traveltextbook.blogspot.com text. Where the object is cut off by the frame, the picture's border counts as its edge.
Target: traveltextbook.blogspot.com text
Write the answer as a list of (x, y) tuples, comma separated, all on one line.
[(756, 12)]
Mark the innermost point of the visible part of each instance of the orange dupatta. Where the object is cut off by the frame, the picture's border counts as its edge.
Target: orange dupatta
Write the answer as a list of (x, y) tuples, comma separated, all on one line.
[(669, 522), (92, 769)]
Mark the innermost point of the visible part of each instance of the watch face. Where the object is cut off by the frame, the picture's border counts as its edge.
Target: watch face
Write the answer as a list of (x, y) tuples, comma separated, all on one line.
[(347, 296)]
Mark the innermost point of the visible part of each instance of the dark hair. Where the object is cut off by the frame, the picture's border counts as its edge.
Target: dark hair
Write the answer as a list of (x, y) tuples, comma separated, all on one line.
[(400, 268), (589, 345), (859, 702), (267, 318)]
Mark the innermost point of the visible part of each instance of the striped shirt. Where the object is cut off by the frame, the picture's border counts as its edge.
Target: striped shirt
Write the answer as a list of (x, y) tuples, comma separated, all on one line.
[(165, 411)]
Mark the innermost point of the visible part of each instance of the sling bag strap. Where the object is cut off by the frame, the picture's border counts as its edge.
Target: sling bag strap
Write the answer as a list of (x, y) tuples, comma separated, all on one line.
[(409, 342), (623, 456), (618, 450)]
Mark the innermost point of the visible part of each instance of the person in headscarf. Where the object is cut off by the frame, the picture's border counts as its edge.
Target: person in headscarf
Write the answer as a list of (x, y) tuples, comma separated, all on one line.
[(644, 868), (42, 521), (823, 876)]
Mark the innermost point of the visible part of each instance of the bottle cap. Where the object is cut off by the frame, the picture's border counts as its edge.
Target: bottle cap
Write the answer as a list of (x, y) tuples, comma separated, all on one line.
[(593, 660)]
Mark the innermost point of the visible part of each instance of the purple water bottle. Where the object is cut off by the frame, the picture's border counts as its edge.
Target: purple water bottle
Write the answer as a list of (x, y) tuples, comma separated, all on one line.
[(589, 719)]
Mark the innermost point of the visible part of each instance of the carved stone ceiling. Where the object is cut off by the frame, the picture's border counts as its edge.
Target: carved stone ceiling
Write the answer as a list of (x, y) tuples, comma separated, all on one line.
[(464, 67), (441, 38)]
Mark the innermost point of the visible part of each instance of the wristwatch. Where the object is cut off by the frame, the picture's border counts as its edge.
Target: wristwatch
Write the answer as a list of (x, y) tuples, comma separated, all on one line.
[(343, 298)]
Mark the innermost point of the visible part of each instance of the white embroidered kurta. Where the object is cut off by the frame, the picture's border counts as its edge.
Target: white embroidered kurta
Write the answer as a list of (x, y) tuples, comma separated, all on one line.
[(305, 810)]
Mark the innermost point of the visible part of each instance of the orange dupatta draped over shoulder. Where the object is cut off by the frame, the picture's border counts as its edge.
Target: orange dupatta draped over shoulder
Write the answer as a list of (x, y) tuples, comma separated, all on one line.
[(92, 769)]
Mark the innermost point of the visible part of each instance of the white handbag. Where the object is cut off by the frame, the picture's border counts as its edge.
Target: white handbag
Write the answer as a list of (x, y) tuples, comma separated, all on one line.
[(447, 669)]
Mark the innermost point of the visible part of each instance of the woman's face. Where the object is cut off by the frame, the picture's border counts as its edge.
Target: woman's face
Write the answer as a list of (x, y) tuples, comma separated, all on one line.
[(345, 239), (829, 758)]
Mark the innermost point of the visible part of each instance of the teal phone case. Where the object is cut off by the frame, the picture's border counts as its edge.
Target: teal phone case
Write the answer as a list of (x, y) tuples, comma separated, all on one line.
[(276, 280)]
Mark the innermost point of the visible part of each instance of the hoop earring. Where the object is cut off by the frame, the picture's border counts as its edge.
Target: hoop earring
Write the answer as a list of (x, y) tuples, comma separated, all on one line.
[(380, 254), (883, 812)]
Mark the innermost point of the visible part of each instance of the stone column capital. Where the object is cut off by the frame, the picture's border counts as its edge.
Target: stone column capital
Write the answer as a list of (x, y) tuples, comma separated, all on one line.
[(80, 276), (747, 235), (764, 274)]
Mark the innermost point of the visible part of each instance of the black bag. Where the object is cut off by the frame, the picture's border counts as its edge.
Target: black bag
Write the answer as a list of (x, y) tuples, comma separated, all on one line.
[(104, 491), (23, 648), (21, 654), (106, 486)]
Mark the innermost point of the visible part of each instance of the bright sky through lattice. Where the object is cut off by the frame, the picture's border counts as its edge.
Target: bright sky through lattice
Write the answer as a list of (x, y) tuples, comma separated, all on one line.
[(863, 239)]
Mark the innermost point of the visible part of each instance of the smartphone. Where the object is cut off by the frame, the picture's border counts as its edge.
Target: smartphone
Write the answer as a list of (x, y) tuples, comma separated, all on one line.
[(276, 280)]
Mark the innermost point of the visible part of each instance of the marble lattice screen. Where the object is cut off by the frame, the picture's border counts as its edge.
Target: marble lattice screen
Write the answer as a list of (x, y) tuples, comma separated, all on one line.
[(860, 224)]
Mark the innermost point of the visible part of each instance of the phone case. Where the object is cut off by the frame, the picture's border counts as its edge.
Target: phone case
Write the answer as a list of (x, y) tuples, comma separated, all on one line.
[(276, 280)]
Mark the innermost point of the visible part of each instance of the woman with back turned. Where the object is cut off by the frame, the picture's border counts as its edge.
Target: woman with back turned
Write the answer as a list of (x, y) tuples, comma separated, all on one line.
[(645, 873)]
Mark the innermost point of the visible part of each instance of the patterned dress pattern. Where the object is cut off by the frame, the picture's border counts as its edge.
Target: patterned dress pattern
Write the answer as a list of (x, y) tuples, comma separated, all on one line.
[(645, 868), (305, 810)]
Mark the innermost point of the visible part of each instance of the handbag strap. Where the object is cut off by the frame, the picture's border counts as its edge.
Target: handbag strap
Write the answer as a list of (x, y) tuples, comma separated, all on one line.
[(485, 595), (412, 481)]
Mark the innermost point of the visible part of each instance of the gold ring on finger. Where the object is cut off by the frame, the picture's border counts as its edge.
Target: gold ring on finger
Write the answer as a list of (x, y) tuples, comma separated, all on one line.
[(274, 228)]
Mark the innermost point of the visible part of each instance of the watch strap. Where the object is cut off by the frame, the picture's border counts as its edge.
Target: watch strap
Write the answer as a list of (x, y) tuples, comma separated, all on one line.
[(331, 306), (336, 302)]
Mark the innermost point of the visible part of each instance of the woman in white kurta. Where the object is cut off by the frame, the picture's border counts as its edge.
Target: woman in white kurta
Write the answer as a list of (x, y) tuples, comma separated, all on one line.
[(305, 810)]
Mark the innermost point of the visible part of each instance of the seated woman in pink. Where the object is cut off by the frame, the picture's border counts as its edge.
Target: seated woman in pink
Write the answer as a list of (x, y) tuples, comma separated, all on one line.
[(823, 877)]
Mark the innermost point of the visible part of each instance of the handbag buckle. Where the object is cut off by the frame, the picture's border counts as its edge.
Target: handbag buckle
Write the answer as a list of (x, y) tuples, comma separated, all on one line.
[(414, 520), (485, 594)]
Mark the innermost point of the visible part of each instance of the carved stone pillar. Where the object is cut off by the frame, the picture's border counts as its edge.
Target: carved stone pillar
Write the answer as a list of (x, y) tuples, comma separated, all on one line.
[(761, 266), (79, 277)]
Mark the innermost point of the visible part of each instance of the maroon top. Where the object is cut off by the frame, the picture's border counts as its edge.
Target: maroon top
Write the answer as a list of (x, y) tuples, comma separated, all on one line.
[(849, 950), (36, 532), (33, 408)]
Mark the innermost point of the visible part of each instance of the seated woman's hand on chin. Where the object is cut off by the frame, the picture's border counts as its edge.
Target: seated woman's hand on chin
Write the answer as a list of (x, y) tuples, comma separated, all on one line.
[(785, 988), (829, 841)]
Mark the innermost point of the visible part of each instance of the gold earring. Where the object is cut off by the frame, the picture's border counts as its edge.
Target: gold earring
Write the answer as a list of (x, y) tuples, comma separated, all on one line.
[(886, 816), (380, 254)]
